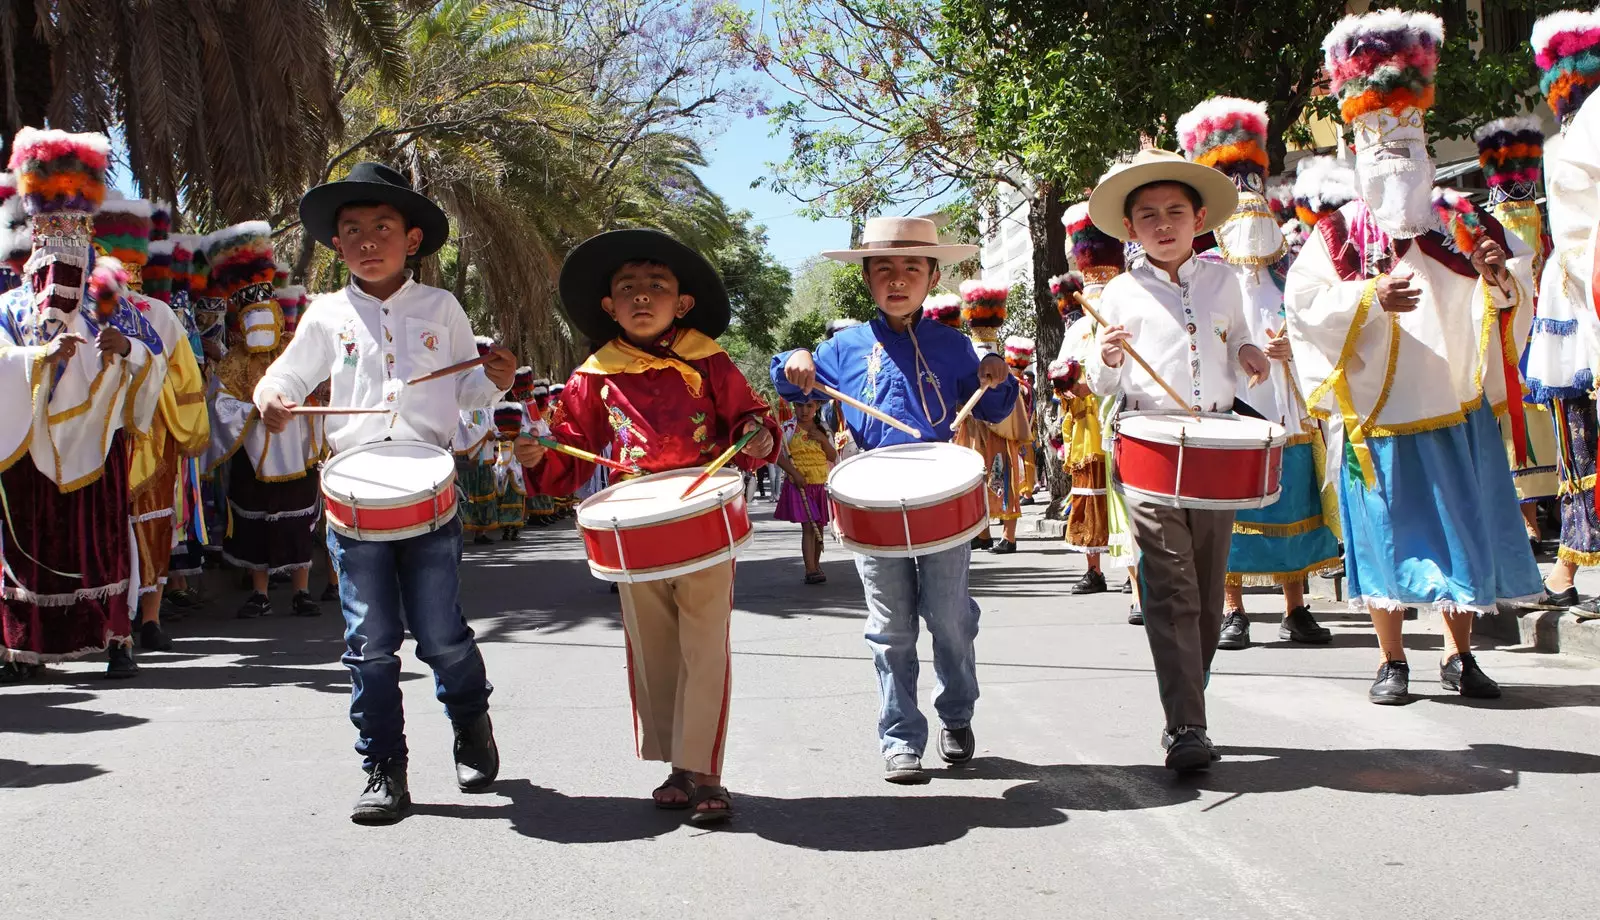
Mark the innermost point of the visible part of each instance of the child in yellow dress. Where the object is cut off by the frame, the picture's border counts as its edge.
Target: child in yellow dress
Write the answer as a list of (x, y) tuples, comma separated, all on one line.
[(808, 454)]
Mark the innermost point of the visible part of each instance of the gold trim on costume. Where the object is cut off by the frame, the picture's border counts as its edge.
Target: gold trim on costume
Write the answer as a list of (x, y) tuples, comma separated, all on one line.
[(1261, 529), (1278, 579)]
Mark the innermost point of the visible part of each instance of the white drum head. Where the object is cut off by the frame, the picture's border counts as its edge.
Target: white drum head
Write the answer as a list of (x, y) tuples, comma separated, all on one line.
[(387, 473), (1224, 431), (908, 474), (654, 498)]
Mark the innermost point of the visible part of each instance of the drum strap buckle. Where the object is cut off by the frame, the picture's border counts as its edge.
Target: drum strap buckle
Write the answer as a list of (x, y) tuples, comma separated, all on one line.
[(622, 557)]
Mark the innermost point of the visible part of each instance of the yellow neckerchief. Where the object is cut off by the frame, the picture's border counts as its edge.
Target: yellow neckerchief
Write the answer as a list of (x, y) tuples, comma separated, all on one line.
[(619, 356)]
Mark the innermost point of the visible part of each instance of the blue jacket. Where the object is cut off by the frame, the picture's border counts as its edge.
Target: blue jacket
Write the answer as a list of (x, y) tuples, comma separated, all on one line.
[(878, 366)]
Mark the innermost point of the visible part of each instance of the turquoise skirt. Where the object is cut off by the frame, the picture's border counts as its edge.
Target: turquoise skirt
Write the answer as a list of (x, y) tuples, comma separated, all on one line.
[(1288, 540)]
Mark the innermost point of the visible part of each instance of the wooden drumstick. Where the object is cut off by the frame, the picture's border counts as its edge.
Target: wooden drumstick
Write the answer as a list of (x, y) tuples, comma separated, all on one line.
[(886, 419), (456, 368), (966, 410), (1128, 347), (337, 410)]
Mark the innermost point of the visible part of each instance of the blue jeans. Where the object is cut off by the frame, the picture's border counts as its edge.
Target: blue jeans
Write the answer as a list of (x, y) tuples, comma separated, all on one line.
[(898, 592), (385, 588)]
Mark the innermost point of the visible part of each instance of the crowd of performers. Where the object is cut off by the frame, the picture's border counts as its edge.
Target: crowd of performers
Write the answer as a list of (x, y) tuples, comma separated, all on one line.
[(1431, 360)]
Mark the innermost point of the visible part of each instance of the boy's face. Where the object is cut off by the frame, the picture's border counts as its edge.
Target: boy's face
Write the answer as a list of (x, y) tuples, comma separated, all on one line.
[(899, 284), (1165, 223), (645, 301), (374, 242)]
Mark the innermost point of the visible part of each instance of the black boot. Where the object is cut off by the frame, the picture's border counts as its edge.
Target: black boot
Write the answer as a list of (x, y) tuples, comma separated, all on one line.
[(386, 796), (477, 757), (120, 664), (152, 638)]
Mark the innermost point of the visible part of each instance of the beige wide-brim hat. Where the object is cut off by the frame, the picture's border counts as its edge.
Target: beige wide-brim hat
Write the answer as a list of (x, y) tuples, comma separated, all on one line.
[(902, 236), (1217, 192)]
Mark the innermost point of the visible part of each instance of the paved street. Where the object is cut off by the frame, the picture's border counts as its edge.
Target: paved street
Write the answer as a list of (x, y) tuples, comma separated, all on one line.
[(219, 783)]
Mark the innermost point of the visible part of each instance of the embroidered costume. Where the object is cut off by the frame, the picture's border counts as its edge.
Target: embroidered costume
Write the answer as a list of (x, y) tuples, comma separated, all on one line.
[(476, 454)]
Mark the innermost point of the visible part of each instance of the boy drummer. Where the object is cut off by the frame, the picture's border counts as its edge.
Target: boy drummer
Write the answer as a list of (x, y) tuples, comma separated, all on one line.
[(663, 396), (921, 372), (1188, 318), (380, 330)]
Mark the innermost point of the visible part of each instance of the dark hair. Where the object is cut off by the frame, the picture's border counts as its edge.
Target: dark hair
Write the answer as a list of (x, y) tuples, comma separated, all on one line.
[(933, 264), (405, 224), (1195, 200), (637, 263)]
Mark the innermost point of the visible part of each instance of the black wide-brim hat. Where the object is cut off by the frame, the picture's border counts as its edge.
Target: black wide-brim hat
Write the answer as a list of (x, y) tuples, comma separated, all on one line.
[(586, 278), (373, 182)]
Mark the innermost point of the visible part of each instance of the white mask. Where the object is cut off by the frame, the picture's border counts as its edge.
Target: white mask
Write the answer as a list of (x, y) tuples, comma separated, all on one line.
[(1250, 236), (1394, 172)]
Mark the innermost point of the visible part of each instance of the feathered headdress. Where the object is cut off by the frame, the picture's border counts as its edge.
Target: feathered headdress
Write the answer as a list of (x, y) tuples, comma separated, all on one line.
[(1062, 287), (16, 242), (985, 308), (158, 271), (944, 308), (1097, 255), (1228, 134), (484, 343), (160, 220), (1322, 185), (1064, 372), (522, 384), (291, 300), (1280, 199), (183, 245), (1566, 46), (1510, 150), (836, 326), (1019, 351), (1383, 61), (122, 229), (61, 179), (241, 266), (508, 418)]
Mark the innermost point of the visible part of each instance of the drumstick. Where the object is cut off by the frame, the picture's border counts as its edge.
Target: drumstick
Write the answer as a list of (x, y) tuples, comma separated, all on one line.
[(966, 410), (456, 368), (721, 461), (880, 416), (1128, 347), (581, 454), (337, 410)]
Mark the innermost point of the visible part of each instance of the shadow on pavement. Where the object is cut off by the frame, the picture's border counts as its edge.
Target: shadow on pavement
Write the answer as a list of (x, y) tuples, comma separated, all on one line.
[(15, 774), (52, 713)]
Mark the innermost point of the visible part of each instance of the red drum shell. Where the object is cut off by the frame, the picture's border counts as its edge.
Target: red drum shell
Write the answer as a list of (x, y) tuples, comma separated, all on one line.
[(951, 509), (1214, 476), (659, 549)]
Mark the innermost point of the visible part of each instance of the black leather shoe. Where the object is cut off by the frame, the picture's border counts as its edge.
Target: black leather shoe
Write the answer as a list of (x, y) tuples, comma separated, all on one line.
[(1588, 610), (1127, 586), (956, 744), (477, 756), (256, 605), (330, 594), (152, 638), (120, 664), (1301, 626), (1135, 616), (1462, 674), (1554, 600), (1235, 631), (1003, 547), (1188, 749), (1092, 582), (983, 541), (386, 796), (304, 605), (904, 770), (1393, 684)]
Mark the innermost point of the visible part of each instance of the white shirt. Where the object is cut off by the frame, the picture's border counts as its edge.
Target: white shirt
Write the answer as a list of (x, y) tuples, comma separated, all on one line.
[(1190, 331), (368, 348)]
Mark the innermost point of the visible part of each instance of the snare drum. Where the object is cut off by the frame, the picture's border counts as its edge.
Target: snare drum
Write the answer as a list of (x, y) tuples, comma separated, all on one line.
[(909, 499), (1216, 462), (640, 530), (389, 490)]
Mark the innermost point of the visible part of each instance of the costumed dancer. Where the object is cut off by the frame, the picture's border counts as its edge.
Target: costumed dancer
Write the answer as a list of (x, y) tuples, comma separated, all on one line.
[(564, 504), (16, 243), (1566, 335), (476, 451), (189, 513), (367, 339), (1407, 310), (1083, 442), (211, 319), (534, 394), (1099, 257), (180, 429), (1187, 316), (807, 457), (72, 409), (1291, 539), (511, 488), (1322, 185), (273, 498), (899, 259), (662, 395), (1003, 444), (1509, 150)]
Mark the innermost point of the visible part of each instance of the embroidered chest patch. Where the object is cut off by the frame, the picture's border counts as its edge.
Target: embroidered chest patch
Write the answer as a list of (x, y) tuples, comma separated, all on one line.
[(429, 340), (347, 344)]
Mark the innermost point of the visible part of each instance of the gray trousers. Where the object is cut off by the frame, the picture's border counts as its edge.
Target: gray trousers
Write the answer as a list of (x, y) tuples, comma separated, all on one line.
[(1183, 562)]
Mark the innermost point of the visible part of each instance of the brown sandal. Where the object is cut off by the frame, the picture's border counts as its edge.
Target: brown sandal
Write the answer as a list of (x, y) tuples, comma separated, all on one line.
[(681, 781), (707, 816)]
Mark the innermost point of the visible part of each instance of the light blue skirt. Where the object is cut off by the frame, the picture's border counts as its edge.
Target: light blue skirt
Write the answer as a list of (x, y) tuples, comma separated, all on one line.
[(1441, 526), (1287, 540)]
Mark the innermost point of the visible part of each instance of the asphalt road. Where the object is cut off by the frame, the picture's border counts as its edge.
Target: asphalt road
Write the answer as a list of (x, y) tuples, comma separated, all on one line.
[(219, 783)]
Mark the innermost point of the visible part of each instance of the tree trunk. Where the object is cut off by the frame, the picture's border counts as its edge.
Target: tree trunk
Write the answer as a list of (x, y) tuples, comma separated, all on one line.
[(1049, 240), (463, 261), (25, 85)]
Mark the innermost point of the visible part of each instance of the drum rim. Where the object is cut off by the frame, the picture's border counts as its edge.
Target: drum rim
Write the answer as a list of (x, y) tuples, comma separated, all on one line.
[(706, 500), (869, 504), (331, 463), (1280, 434)]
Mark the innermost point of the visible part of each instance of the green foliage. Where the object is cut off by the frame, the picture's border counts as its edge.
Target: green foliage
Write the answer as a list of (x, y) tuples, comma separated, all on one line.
[(824, 290), (1020, 316), (759, 287)]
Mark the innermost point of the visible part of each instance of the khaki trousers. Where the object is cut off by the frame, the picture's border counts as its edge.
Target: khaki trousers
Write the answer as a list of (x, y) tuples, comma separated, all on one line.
[(1183, 565), (680, 675)]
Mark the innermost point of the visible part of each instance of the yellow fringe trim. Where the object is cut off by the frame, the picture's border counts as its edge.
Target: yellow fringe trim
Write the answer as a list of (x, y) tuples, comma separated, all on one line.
[(1278, 579), (1586, 484), (1348, 351), (1254, 529), (1577, 558)]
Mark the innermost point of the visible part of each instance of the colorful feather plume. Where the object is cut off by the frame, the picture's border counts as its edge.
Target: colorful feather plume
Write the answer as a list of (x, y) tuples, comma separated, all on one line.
[(16, 242), (508, 418), (160, 220), (1062, 287), (1566, 46), (240, 257), (158, 271), (1383, 61), (291, 300), (1228, 134), (944, 308), (1064, 372), (1098, 256), (985, 304), (57, 171), (484, 344), (522, 384), (1280, 199), (108, 281), (1019, 351), (1457, 212), (1322, 185), (1511, 151)]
